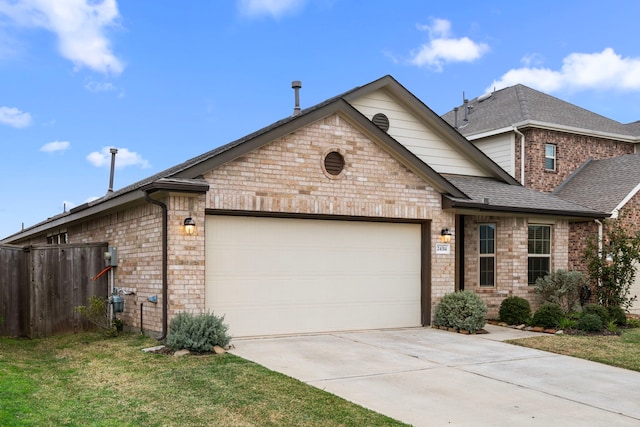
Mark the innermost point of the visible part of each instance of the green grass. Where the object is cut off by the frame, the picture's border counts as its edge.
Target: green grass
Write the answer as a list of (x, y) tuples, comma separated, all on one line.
[(621, 351), (87, 380)]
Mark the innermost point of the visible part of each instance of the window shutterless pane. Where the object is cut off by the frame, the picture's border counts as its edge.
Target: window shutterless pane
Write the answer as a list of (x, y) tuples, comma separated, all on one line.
[(538, 267), (487, 271)]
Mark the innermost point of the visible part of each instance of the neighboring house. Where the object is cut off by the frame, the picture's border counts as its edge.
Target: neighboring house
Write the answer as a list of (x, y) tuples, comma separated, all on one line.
[(551, 145), (360, 212)]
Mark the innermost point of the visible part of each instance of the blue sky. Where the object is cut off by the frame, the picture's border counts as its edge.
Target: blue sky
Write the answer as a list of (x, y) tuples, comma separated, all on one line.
[(165, 81)]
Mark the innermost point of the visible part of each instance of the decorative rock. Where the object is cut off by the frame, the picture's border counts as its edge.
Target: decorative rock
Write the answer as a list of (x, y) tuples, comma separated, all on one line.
[(550, 331), (181, 353), (521, 327), (502, 324), (218, 350), (537, 329), (152, 349), (464, 331), (560, 332)]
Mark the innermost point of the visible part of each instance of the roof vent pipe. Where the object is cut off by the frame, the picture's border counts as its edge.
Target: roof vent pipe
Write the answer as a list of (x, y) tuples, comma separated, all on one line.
[(455, 118), (113, 152), (296, 85)]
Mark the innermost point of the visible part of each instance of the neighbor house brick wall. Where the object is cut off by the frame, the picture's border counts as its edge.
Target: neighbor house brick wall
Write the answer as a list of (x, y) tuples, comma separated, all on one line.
[(511, 258), (572, 150), (287, 176)]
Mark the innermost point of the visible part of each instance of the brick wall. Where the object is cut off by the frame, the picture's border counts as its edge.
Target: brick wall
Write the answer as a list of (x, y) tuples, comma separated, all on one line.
[(287, 176), (571, 151), (579, 235), (511, 258), (283, 176)]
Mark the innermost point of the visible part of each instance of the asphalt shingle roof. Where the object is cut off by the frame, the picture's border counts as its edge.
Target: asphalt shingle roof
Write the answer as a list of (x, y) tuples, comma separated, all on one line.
[(602, 184), (492, 194), (517, 104)]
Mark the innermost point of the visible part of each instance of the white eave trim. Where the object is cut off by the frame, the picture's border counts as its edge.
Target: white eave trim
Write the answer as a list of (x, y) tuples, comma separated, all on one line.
[(489, 133), (556, 127), (614, 213)]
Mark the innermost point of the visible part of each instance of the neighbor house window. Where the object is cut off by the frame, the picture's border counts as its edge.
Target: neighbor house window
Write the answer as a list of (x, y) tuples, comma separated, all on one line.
[(550, 157), (487, 254), (539, 252)]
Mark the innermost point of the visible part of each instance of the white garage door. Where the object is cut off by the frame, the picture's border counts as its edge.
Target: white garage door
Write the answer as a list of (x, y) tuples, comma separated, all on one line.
[(280, 276)]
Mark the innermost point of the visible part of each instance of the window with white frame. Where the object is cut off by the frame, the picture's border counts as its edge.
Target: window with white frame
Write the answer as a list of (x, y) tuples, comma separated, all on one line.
[(539, 252), (550, 157), (487, 254)]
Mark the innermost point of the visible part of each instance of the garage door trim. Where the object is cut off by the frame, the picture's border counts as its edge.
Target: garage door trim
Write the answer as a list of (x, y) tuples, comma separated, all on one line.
[(425, 244)]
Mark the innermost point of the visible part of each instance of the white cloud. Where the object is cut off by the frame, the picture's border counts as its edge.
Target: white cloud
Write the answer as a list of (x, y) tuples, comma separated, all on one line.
[(55, 146), (78, 24), (443, 48), (124, 158), (580, 71), (14, 117), (275, 8)]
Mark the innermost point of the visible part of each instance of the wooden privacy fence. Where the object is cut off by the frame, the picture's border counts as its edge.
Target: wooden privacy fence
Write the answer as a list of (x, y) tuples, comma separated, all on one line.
[(40, 286)]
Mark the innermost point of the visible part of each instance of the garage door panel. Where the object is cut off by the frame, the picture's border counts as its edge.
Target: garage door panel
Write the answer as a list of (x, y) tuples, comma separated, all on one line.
[(275, 275)]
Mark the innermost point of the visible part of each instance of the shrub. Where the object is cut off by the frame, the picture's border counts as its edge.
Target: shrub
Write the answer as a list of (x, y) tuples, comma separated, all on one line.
[(549, 315), (567, 323), (197, 333), (590, 322), (617, 315), (98, 313), (562, 287), (463, 310), (599, 310), (515, 310)]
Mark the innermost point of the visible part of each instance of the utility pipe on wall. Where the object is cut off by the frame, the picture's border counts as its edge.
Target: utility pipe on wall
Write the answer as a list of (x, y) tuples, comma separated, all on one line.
[(165, 237)]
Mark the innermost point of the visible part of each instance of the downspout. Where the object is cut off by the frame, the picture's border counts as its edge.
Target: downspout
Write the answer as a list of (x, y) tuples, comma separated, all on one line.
[(515, 129), (599, 237), (165, 257)]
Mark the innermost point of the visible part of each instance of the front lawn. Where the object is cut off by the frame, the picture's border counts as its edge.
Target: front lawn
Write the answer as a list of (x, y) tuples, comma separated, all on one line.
[(622, 351), (86, 380)]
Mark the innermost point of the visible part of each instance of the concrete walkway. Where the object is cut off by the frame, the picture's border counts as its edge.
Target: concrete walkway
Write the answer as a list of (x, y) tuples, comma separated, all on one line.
[(428, 377)]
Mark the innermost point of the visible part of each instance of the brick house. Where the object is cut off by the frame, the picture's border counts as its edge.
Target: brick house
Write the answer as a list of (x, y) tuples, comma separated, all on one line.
[(553, 146), (360, 212)]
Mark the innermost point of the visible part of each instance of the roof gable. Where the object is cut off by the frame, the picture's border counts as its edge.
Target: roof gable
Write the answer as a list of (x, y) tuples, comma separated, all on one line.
[(422, 131)]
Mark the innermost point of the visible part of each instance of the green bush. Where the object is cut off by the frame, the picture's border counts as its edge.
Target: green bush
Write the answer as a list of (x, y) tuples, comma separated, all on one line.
[(98, 313), (617, 315), (463, 310), (590, 322), (599, 310), (562, 287), (549, 315), (515, 311), (197, 333)]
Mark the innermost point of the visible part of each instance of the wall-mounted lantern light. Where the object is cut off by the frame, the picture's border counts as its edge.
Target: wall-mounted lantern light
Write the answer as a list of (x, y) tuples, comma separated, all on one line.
[(189, 226), (445, 235)]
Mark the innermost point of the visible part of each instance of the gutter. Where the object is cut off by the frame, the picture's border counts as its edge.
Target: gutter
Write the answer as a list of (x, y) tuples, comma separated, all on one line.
[(165, 244), (448, 203)]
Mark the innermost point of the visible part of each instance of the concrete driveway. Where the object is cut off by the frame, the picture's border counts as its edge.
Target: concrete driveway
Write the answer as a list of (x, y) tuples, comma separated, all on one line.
[(428, 377)]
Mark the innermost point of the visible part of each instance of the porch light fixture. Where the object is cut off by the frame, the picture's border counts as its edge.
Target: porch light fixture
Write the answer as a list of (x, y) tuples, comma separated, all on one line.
[(189, 226), (445, 235)]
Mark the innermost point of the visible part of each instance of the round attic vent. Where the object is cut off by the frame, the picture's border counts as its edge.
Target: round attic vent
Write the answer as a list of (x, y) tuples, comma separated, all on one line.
[(381, 121), (334, 163)]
